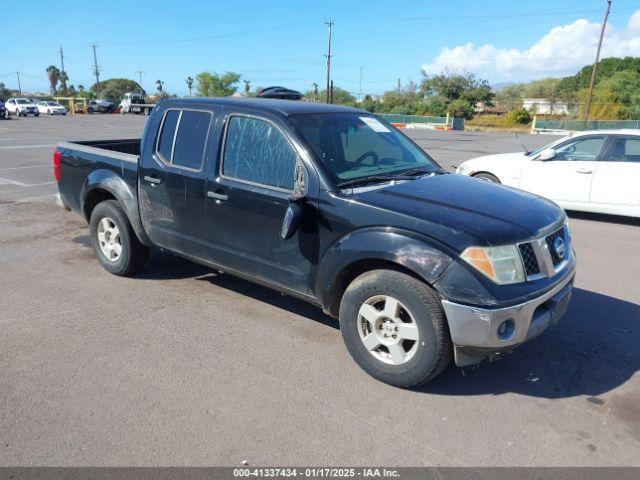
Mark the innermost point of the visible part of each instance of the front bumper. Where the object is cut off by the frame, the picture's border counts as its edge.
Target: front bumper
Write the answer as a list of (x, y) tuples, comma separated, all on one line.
[(478, 332)]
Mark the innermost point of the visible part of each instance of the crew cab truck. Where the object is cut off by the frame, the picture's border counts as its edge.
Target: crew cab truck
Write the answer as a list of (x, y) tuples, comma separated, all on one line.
[(332, 205)]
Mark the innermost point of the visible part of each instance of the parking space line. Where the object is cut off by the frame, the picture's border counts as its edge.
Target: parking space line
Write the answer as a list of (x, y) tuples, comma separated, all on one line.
[(6, 181), (15, 147), (30, 166)]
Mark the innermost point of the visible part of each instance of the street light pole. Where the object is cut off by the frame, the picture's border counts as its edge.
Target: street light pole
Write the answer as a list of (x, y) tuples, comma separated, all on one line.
[(330, 24)]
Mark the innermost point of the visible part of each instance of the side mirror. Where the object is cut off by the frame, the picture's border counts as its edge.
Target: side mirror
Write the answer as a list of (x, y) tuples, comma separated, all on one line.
[(293, 215), (547, 154)]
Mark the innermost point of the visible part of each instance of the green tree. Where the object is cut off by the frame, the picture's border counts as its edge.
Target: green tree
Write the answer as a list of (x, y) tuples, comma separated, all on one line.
[(460, 108), (53, 74), (213, 85), (458, 86), (114, 88), (340, 96), (64, 78), (4, 92)]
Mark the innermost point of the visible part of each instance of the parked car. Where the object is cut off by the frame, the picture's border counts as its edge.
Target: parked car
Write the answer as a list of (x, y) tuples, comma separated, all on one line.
[(21, 107), (4, 114), (334, 206), (51, 108), (596, 171), (100, 106), (134, 102), (280, 92)]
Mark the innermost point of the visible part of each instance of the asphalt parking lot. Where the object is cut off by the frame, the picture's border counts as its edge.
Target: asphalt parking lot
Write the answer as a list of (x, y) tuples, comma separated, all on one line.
[(183, 366)]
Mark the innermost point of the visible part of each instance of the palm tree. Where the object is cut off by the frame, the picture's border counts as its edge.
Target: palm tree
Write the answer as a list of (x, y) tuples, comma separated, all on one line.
[(190, 84), (63, 81), (159, 84), (54, 74)]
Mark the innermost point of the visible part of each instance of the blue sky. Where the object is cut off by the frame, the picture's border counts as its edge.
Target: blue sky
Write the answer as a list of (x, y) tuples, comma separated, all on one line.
[(284, 42)]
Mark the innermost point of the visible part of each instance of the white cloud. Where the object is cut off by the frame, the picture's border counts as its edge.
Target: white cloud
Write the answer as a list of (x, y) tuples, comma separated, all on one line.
[(562, 51)]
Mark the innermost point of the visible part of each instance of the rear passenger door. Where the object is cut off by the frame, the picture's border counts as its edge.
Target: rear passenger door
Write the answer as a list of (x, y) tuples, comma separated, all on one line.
[(173, 183), (617, 176), (247, 201)]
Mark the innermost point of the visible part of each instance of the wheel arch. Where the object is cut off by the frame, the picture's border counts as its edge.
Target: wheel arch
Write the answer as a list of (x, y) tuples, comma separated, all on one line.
[(371, 249), (103, 184), (486, 172)]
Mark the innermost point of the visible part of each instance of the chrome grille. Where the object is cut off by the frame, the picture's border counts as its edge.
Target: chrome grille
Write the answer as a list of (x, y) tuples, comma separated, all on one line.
[(550, 244), (529, 260), (539, 256)]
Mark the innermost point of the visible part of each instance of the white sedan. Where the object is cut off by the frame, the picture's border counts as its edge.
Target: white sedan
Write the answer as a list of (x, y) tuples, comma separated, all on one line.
[(596, 171), (51, 108)]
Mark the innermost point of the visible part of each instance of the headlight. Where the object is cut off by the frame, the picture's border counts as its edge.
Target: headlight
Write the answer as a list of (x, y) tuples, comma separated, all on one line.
[(500, 264), (463, 169)]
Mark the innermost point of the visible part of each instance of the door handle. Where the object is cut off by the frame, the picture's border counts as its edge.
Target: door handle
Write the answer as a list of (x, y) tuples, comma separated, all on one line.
[(584, 170), (218, 196), (153, 180)]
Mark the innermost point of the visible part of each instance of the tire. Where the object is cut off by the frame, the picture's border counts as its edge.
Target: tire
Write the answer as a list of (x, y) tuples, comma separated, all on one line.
[(424, 358), (133, 255), (36, 114), (487, 177)]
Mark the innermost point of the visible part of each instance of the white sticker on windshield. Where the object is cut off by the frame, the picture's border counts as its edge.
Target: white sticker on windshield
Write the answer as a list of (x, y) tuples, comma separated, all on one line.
[(375, 124)]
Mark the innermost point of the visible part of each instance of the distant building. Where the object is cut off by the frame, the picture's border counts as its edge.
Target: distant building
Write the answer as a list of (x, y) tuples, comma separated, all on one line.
[(543, 106)]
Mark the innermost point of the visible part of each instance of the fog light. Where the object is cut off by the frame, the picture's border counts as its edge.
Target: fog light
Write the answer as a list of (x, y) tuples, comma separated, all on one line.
[(507, 329)]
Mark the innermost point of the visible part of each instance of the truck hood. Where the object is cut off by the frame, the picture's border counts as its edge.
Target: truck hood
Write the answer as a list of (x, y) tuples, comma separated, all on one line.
[(460, 211)]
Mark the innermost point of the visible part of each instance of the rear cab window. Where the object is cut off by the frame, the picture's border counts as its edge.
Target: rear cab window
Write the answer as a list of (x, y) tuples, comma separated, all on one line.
[(183, 138)]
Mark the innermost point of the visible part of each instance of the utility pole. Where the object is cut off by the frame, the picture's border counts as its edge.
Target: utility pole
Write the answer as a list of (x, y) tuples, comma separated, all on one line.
[(553, 97), (314, 86), (398, 86), (595, 64), (19, 87), (61, 59), (96, 69), (360, 87), (140, 72), (330, 24)]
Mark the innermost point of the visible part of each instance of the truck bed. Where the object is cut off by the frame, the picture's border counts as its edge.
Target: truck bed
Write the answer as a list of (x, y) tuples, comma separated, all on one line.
[(88, 161), (127, 146)]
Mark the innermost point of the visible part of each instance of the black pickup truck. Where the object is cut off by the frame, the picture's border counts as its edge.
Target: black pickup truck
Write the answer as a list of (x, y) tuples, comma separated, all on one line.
[(335, 206)]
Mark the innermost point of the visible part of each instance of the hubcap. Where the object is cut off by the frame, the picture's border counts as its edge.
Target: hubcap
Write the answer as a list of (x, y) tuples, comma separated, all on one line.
[(109, 239), (388, 330)]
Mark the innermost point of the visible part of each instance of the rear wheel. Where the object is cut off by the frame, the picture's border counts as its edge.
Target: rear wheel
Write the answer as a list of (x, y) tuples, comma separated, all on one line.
[(394, 328), (114, 241), (487, 177)]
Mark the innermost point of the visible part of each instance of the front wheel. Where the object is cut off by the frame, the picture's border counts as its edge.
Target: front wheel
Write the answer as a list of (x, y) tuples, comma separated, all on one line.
[(114, 241), (394, 328)]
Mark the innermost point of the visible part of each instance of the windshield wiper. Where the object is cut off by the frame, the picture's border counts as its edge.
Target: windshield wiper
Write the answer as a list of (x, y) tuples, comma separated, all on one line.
[(364, 180)]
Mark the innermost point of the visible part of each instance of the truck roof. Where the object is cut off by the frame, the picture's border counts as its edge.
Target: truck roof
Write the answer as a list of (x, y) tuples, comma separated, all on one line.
[(266, 105)]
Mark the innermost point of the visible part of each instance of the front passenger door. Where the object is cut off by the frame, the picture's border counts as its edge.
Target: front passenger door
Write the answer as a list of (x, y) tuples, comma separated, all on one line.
[(247, 202), (566, 177)]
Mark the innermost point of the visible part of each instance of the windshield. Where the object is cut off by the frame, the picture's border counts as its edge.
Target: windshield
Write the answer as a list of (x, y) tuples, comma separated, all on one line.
[(353, 145), (548, 145), (53, 104), (22, 101)]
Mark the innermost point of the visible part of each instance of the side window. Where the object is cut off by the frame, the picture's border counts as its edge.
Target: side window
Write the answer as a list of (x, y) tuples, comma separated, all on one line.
[(258, 152), (626, 150), (191, 139), (586, 149), (165, 142)]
